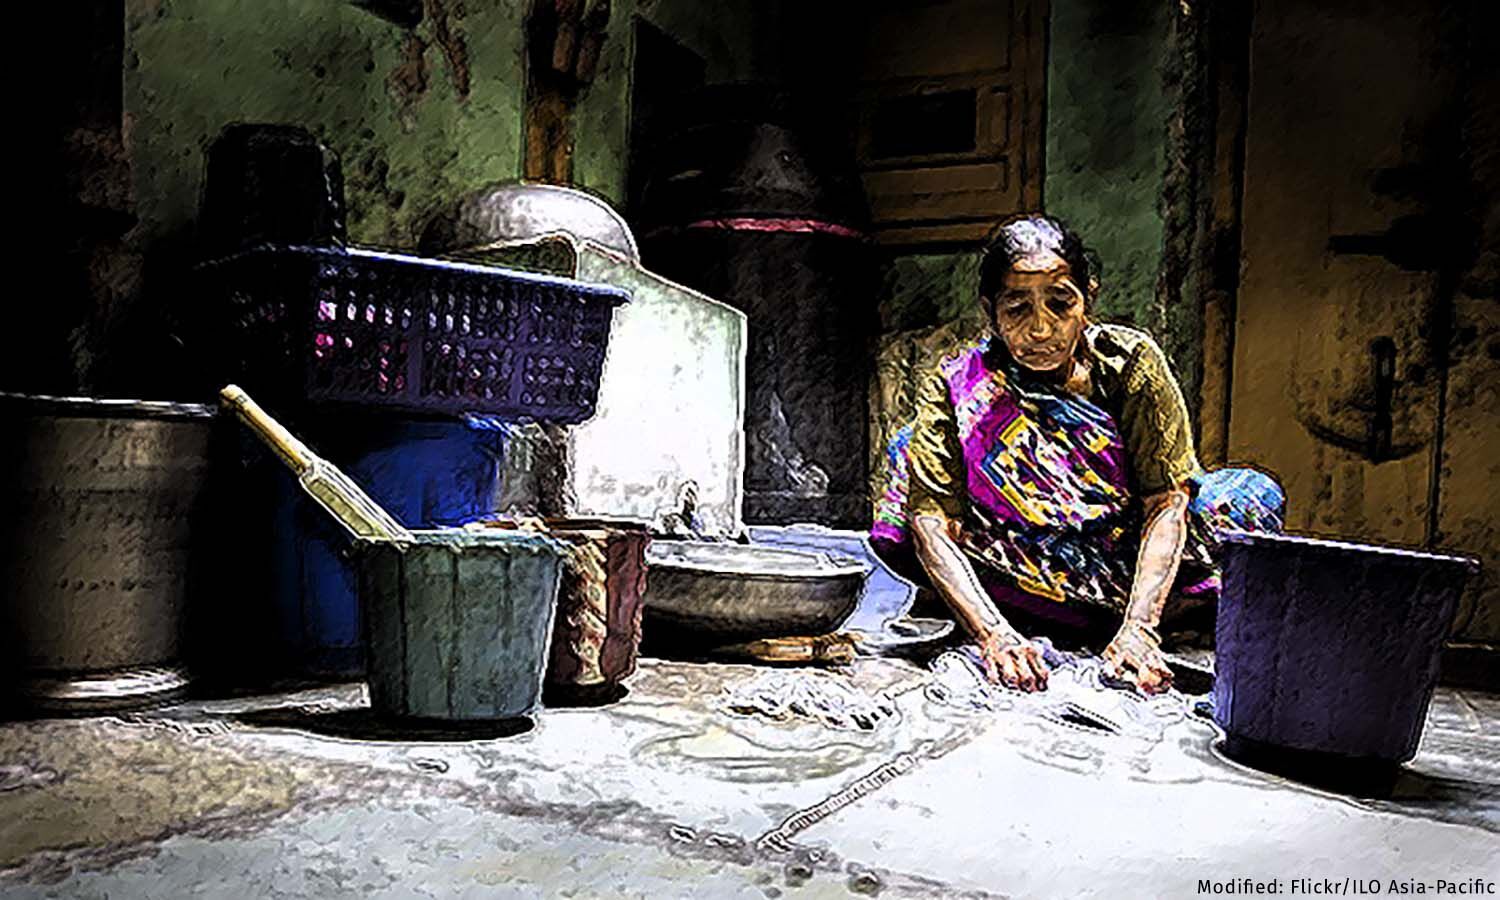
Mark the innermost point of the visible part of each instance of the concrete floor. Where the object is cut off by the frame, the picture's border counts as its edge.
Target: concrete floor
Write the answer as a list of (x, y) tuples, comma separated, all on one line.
[(668, 794)]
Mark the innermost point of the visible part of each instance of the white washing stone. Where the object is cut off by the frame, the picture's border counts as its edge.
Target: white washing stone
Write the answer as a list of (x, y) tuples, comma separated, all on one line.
[(671, 403)]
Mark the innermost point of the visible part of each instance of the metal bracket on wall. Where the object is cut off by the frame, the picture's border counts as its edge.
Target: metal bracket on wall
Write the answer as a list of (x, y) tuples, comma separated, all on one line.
[(1377, 443), (1441, 239)]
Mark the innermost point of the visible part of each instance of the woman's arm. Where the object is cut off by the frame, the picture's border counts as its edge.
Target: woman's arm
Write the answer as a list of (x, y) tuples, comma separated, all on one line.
[(1162, 540), (1159, 443), (936, 505), (1006, 653), (1135, 652)]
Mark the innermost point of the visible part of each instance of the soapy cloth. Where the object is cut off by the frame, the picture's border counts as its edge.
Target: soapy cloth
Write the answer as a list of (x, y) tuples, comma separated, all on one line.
[(1080, 693)]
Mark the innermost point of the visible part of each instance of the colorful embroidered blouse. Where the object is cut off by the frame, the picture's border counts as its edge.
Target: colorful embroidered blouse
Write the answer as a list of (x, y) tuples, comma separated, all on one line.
[(1131, 380)]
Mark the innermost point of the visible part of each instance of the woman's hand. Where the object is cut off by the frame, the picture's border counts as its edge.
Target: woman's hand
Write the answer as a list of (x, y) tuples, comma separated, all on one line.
[(1013, 661), (1007, 656), (1135, 655)]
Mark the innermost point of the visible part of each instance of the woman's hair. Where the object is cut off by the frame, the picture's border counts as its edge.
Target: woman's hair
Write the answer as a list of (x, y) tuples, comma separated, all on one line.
[(1018, 237)]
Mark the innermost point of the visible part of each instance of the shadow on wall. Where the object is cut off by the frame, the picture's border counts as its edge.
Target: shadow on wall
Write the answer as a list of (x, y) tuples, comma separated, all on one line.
[(924, 290)]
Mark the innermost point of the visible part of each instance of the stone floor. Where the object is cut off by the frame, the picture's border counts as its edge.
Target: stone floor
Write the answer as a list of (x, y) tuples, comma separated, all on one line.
[(667, 793)]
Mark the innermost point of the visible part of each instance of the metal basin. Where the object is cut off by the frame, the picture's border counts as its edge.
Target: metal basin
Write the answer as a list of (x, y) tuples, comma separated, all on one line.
[(505, 213), (705, 594)]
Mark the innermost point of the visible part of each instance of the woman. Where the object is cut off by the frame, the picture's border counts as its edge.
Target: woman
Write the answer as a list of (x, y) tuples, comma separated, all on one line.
[(1049, 480)]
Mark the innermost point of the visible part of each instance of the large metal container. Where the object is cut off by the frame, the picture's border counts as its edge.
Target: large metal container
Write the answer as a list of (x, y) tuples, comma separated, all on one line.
[(1330, 647), (458, 623), (100, 497), (748, 199), (702, 594)]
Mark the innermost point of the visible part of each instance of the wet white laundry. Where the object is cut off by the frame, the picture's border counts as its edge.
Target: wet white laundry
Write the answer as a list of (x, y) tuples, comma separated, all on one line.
[(809, 694)]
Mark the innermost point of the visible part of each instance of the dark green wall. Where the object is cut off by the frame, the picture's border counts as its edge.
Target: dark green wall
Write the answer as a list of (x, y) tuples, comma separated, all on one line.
[(416, 116), (923, 289), (392, 104), (1107, 118), (421, 116)]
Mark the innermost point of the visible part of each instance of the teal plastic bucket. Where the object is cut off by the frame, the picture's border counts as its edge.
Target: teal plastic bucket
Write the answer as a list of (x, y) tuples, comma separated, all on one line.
[(458, 623)]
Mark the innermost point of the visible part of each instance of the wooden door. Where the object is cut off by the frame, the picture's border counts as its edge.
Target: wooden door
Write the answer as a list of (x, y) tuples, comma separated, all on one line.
[(949, 110), (1346, 378)]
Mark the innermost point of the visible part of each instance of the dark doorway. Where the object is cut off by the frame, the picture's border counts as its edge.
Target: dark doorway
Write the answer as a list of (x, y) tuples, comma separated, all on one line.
[(663, 69)]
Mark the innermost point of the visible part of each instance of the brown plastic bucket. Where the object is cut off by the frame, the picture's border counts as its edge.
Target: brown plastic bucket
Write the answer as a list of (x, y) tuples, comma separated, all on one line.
[(597, 633)]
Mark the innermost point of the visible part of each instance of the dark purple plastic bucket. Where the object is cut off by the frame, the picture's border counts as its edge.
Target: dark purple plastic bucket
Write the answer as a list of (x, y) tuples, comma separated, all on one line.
[(1331, 647)]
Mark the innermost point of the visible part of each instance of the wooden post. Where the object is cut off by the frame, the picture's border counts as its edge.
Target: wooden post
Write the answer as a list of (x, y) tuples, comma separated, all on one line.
[(565, 39)]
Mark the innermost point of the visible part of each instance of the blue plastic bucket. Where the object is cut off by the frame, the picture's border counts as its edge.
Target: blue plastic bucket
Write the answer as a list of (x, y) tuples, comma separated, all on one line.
[(426, 474), (459, 623), (1328, 647)]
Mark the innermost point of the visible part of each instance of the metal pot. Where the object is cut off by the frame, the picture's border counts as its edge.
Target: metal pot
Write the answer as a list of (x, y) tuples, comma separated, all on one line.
[(100, 497)]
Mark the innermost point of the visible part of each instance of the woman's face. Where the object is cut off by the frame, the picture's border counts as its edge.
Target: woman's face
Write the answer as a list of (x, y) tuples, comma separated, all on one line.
[(1039, 313)]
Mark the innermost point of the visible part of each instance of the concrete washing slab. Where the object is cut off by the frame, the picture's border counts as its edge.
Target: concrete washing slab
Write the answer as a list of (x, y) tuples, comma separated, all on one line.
[(667, 793)]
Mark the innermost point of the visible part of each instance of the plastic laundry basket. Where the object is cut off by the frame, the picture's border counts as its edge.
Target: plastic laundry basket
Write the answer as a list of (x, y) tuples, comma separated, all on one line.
[(1331, 647), (372, 330)]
